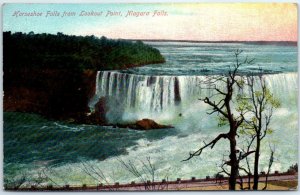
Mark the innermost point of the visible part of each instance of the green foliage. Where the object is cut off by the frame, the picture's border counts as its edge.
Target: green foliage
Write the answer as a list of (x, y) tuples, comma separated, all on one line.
[(269, 131), (31, 50), (245, 130), (241, 82), (261, 100), (222, 121), (270, 99), (243, 103), (258, 94)]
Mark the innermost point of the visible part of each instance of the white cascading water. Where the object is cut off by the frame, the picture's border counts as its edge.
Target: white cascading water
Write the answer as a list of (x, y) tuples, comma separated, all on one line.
[(132, 97)]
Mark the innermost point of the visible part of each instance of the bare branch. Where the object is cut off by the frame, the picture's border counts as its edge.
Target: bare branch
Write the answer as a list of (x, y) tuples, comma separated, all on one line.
[(215, 107), (211, 144)]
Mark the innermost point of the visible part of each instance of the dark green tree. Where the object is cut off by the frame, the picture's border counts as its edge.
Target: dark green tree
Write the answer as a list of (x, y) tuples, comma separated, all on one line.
[(47, 51)]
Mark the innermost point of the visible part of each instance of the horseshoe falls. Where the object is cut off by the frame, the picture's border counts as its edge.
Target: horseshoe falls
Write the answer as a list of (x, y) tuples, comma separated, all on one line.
[(169, 94), (132, 97)]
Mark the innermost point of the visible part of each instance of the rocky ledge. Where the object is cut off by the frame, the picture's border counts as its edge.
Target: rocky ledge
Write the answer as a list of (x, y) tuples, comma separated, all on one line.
[(144, 124)]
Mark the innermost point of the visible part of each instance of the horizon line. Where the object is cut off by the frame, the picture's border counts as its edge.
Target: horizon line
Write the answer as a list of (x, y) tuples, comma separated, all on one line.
[(171, 40)]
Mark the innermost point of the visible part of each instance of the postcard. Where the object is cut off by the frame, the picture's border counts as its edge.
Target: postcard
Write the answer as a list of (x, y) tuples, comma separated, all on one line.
[(150, 96)]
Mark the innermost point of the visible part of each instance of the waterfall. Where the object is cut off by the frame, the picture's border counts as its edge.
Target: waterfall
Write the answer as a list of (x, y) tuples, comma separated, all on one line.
[(132, 97)]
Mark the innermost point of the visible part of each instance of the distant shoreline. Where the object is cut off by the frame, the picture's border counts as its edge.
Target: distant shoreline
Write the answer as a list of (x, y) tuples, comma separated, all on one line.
[(292, 43), (288, 43)]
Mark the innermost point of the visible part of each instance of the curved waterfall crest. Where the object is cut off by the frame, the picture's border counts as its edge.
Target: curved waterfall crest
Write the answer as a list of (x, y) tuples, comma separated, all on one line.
[(131, 93)]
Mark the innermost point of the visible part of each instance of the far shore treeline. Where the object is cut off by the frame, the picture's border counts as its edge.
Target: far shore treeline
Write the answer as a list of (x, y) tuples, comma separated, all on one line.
[(30, 50), (55, 75)]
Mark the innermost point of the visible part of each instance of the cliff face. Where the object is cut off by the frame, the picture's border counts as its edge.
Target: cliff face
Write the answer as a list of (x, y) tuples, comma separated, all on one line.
[(59, 94)]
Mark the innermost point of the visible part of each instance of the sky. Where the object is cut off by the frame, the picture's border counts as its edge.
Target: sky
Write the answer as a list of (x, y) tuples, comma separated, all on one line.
[(172, 21)]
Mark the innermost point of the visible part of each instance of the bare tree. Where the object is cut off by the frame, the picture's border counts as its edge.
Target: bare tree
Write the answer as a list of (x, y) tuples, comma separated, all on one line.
[(222, 106), (96, 173), (246, 167), (271, 160), (16, 182), (146, 174)]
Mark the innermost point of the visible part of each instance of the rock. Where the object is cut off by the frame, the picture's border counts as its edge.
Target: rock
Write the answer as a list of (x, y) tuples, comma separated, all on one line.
[(146, 124), (100, 107), (177, 91), (98, 116)]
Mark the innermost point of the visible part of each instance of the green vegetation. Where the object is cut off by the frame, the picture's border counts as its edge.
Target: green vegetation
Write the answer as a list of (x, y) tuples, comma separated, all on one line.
[(31, 50), (54, 75)]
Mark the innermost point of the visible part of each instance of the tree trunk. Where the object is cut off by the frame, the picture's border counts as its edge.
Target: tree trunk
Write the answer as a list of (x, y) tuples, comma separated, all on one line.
[(256, 162), (233, 161)]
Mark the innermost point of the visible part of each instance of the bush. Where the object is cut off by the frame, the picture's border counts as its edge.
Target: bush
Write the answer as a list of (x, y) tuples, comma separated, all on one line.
[(293, 169)]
